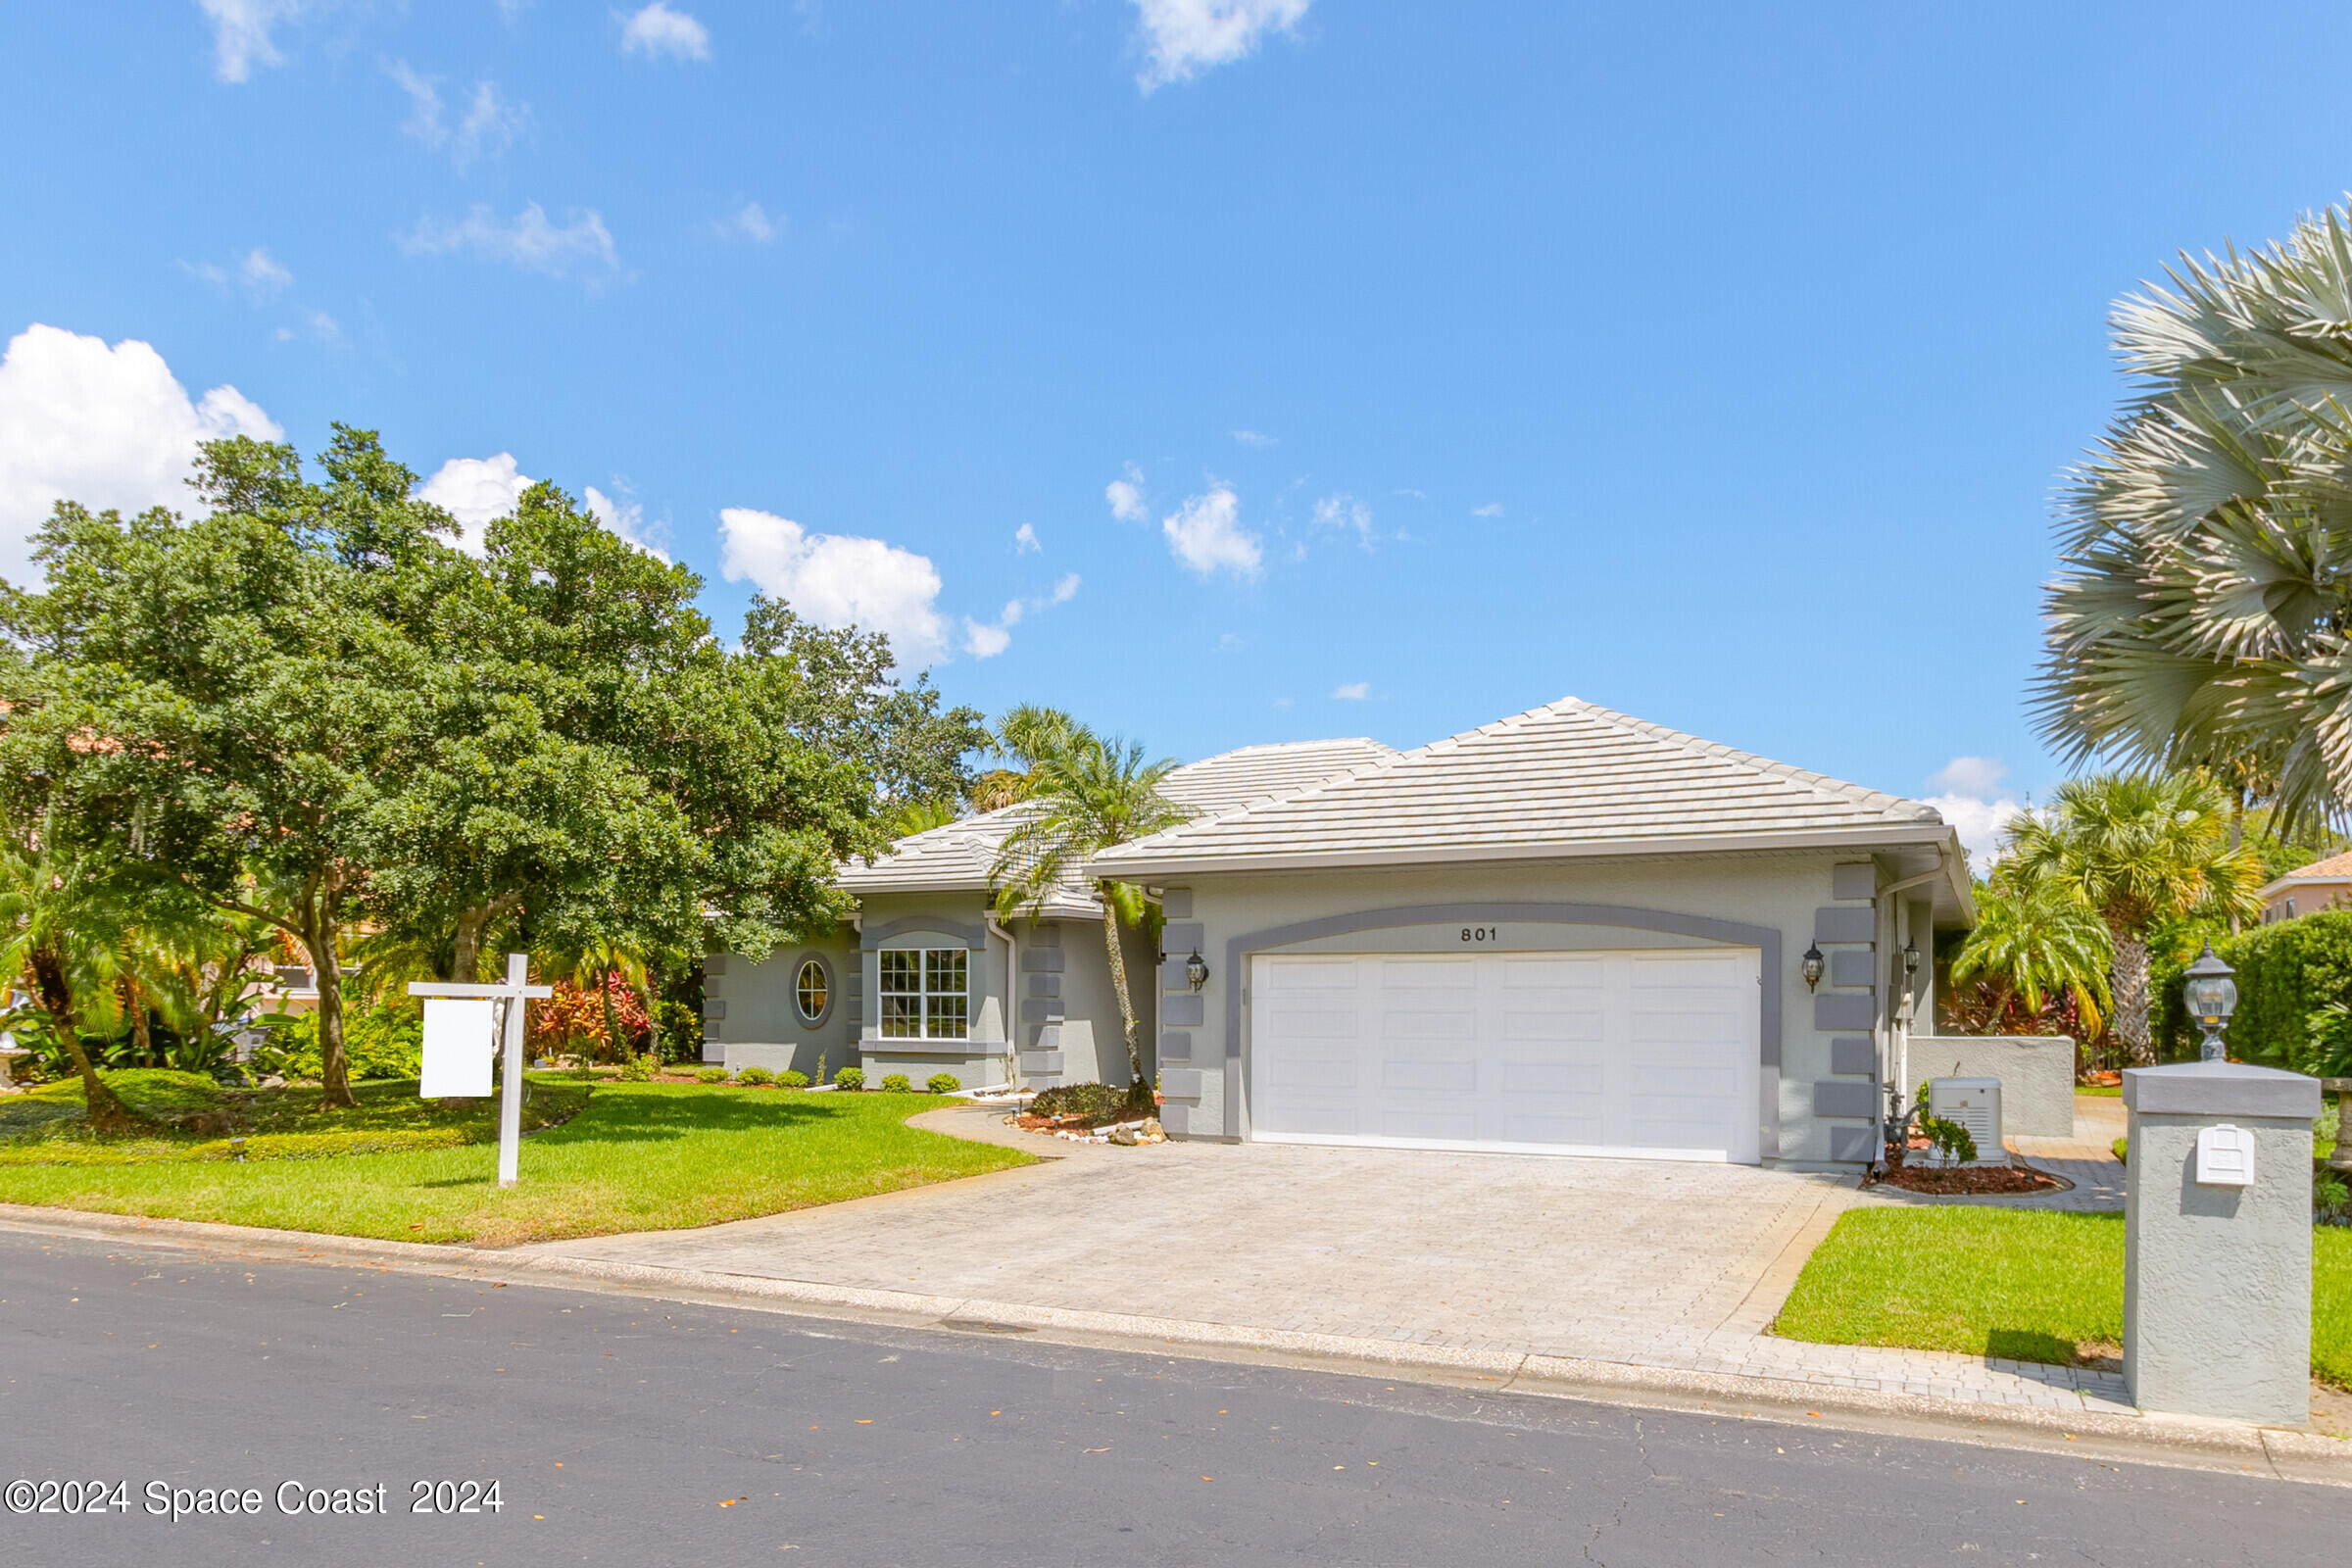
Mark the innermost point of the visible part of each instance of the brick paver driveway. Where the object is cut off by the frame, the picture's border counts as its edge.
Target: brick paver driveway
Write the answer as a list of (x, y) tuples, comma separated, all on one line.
[(1603, 1259)]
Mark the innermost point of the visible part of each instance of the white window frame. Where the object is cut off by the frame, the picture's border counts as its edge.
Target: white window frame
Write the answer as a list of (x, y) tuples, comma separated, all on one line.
[(940, 1011)]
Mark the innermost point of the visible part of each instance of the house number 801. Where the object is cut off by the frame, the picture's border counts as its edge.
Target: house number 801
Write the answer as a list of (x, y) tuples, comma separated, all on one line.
[(1481, 933)]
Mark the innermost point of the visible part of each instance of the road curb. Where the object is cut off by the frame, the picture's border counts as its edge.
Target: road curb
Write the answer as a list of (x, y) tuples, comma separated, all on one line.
[(2169, 1440)]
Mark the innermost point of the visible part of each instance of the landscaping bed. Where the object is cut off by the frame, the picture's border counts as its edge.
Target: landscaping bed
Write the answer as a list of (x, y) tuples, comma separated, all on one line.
[(612, 1156), (1969, 1181), (2026, 1284)]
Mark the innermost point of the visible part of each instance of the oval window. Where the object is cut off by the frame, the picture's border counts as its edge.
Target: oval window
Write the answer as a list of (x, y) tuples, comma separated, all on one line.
[(811, 989)]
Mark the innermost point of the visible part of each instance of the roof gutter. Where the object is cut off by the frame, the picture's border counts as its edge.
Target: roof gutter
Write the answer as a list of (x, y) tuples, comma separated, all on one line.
[(1175, 863)]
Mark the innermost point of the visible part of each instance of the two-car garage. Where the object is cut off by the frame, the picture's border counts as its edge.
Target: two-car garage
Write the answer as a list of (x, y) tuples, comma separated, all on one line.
[(1638, 1052)]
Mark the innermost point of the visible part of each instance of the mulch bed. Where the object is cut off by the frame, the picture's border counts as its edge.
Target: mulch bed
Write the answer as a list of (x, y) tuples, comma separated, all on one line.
[(1970, 1180)]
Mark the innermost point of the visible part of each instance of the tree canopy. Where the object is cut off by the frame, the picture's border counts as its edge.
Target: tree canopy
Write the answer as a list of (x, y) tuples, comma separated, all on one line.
[(305, 704)]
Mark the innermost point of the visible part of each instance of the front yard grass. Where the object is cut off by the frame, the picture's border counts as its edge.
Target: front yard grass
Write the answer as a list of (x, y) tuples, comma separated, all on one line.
[(618, 1158), (2024, 1285)]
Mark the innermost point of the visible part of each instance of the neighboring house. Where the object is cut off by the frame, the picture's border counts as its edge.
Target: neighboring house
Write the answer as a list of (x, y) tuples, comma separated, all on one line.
[(2306, 890), (929, 981), (1567, 932)]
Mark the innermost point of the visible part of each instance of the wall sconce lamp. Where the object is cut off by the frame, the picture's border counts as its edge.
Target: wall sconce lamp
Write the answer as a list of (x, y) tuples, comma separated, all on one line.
[(1195, 969), (1813, 966), (1910, 959)]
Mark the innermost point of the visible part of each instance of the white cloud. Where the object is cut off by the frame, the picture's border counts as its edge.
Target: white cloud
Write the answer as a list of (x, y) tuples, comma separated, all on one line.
[(754, 223), (1344, 510), (1970, 797), (1182, 38), (476, 491), (657, 30), (1024, 541), (241, 33), (984, 641), (319, 327), (1253, 438), (1492, 509), (529, 240), (489, 128), (262, 274), (1355, 691), (839, 580), (626, 518), (1126, 496), (107, 427), (1205, 533)]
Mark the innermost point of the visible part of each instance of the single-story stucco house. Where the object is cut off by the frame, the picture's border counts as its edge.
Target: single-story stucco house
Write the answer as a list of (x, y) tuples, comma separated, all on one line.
[(2307, 890), (1566, 932)]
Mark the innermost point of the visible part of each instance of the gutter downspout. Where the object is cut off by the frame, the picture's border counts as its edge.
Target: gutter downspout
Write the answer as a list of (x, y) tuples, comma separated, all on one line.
[(1013, 985)]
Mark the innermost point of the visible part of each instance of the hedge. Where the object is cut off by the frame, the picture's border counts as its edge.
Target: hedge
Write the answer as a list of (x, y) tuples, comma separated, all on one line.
[(2285, 973)]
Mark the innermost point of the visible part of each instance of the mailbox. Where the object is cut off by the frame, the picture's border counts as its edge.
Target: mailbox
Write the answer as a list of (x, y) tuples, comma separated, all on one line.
[(2224, 1157)]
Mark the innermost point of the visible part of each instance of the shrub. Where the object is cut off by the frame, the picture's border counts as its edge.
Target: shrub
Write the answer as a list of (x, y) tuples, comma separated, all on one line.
[(793, 1078), (639, 1069), (386, 1041), (898, 1082), (755, 1077), (943, 1083), (1954, 1142), (2288, 974), (710, 1075), (850, 1078), (1096, 1102)]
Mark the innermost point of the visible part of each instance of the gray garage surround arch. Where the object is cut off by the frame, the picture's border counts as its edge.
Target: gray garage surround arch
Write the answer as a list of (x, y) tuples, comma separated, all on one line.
[(1731, 933)]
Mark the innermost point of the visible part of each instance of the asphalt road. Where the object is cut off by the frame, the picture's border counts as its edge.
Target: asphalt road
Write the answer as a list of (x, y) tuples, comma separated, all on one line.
[(620, 1430)]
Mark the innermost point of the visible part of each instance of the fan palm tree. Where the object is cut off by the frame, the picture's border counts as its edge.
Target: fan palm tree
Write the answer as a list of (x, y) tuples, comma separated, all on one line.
[(1089, 795), (2136, 850), (2202, 615), (2033, 940), (1028, 735)]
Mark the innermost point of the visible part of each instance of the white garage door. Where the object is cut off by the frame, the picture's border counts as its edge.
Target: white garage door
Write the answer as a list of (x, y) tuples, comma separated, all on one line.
[(1643, 1053)]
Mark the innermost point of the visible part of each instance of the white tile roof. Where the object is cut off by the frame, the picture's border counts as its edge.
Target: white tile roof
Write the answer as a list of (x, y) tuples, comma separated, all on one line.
[(960, 855), (1565, 779)]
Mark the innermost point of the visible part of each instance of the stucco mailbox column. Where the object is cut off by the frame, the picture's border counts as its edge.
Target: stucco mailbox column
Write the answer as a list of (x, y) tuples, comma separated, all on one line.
[(2217, 1242)]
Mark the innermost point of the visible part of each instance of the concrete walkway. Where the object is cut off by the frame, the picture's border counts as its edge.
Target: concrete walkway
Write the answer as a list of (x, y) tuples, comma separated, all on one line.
[(1648, 1264)]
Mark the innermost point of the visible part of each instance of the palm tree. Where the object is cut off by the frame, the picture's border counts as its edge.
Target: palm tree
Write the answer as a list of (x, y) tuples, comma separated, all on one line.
[(1029, 734), (1089, 795), (2199, 615), (2137, 850), (2033, 939), (67, 942)]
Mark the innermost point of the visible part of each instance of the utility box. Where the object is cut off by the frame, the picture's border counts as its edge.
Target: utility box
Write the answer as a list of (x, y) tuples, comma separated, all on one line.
[(1976, 1104)]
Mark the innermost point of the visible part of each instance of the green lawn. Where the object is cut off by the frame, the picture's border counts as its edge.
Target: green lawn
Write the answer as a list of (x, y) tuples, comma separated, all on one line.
[(2022, 1283), (620, 1157)]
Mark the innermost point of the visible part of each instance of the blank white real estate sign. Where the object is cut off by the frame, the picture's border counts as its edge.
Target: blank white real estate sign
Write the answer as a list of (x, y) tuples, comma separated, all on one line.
[(458, 1047)]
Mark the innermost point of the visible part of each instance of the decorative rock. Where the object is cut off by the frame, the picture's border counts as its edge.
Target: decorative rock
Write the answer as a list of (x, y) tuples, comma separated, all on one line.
[(1125, 1137)]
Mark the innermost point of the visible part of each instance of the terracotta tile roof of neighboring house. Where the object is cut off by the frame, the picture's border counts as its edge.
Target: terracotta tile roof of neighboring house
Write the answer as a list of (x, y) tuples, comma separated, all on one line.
[(1568, 778), (960, 855), (2334, 868)]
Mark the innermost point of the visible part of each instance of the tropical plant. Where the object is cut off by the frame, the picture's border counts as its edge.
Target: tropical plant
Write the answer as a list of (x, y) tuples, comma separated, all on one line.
[(2031, 940), (1027, 735), (2202, 615), (1088, 796), (2136, 850)]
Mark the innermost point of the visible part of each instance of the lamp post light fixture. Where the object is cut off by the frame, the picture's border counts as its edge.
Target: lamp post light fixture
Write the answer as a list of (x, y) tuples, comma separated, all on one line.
[(1195, 969), (2212, 998), (1814, 963)]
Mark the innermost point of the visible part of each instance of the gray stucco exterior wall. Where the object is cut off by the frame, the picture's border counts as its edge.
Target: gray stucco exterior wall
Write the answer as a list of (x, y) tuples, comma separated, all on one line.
[(1772, 903), (751, 1014), (2036, 1074)]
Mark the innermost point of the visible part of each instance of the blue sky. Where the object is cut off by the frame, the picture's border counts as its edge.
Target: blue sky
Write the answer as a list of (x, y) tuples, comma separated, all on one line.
[(1225, 370)]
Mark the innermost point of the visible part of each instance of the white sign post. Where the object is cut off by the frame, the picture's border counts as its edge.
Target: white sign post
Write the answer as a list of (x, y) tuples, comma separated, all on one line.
[(458, 1026)]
